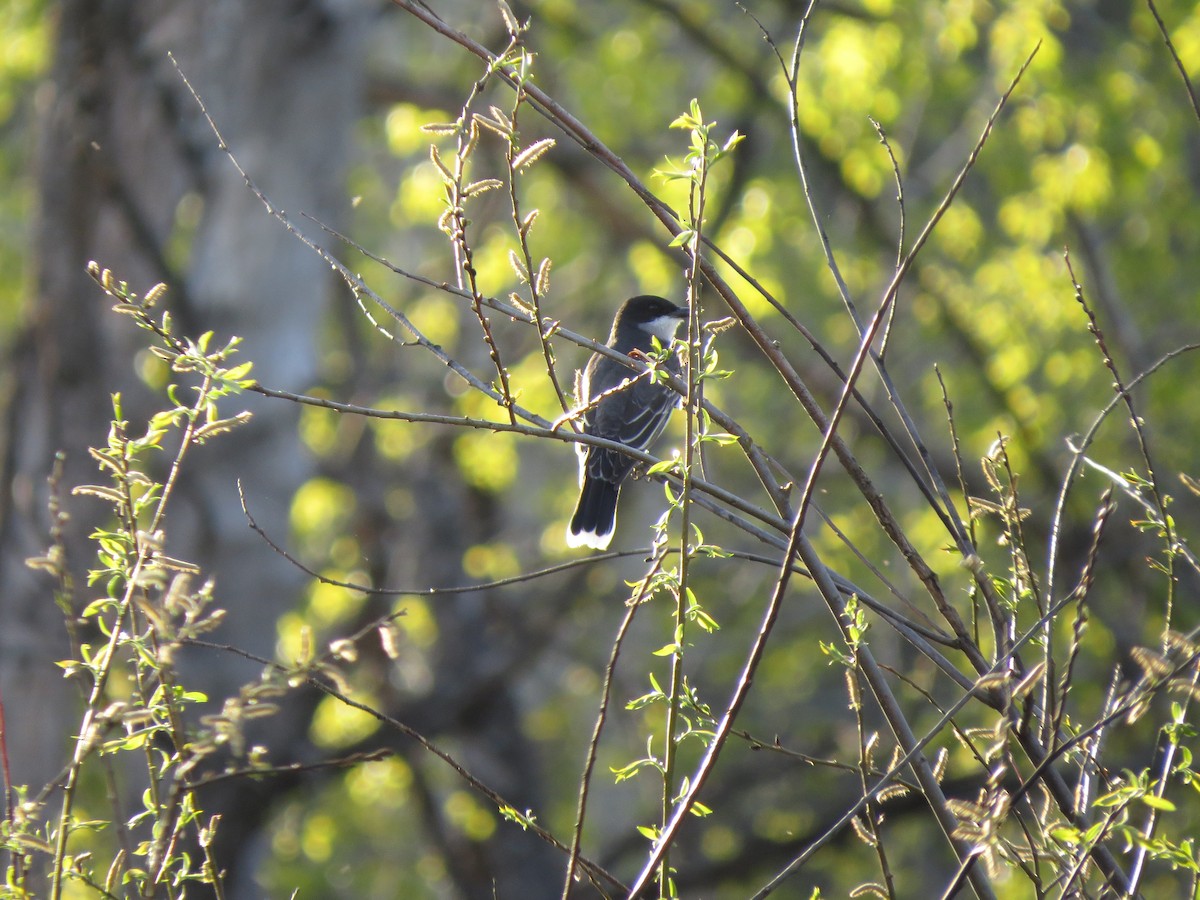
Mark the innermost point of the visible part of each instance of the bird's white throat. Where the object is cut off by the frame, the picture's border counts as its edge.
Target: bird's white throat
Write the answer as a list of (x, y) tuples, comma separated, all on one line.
[(663, 328)]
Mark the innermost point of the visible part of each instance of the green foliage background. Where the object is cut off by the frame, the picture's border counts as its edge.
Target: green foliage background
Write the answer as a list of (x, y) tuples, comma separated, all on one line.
[(1096, 153)]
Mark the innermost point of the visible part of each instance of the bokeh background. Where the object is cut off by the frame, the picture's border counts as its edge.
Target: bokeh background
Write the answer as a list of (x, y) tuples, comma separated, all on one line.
[(104, 155)]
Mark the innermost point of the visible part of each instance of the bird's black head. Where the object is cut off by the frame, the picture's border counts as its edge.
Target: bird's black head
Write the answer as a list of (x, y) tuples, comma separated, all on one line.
[(648, 314), (647, 307)]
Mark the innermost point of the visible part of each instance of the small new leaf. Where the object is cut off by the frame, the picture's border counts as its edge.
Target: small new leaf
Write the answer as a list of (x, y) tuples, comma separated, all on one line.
[(684, 237), (734, 139), (663, 467), (1154, 802)]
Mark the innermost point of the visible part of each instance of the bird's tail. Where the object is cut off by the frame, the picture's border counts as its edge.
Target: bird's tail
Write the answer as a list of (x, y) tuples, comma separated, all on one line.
[(595, 515)]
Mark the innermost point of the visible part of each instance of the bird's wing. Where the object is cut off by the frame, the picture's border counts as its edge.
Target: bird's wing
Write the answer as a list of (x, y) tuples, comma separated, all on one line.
[(636, 425), (653, 411)]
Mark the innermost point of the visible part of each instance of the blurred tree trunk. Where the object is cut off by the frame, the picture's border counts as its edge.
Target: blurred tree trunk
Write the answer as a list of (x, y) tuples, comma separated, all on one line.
[(130, 175)]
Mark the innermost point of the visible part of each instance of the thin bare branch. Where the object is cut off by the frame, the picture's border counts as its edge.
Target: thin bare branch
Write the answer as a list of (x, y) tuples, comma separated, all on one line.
[(314, 680), (1187, 82), (585, 780)]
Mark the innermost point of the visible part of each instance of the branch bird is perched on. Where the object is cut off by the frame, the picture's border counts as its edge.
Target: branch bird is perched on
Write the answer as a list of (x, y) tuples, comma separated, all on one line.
[(634, 415)]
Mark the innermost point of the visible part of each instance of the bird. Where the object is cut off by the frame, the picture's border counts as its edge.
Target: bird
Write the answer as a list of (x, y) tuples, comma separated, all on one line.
[(634, 415)]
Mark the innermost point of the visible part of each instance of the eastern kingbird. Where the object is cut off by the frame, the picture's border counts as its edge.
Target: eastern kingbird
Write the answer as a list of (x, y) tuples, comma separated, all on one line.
[(634, 415)]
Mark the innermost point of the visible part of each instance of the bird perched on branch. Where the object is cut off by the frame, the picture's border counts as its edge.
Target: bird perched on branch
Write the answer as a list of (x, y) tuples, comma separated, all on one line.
[(622, 405)]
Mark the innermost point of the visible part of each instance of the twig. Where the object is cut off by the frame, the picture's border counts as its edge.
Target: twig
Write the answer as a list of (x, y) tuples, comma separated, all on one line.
[(342, 762), (1078, 451), (1167, 749), (455, 225), (1165, 521), (534, 276), (956, 450), (585, 781), (594, 870), (543, 429), (883, 139), (776, 746), (1187, 82), (765, 467), (1055, 701), (428, 591), (578, 132), (1042, 760), (89, 729), (697, 199), (870, 819)]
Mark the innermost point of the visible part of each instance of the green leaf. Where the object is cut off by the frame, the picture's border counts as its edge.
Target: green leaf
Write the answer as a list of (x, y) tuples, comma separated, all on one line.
[(1155, 802), (1065, 835), (704, 620), (663, 466), (95, 608), (238, 373)]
